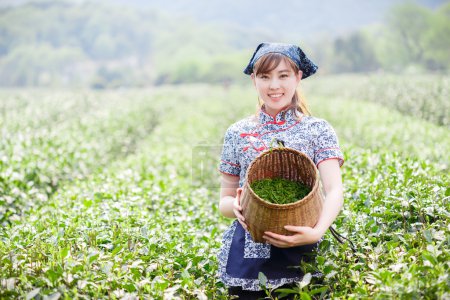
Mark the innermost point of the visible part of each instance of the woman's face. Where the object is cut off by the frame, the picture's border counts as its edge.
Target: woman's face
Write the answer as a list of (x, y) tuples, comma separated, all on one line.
[(277, 87)]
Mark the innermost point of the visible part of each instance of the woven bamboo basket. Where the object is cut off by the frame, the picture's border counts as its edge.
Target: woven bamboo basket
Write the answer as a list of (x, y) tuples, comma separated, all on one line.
[(261, 215)]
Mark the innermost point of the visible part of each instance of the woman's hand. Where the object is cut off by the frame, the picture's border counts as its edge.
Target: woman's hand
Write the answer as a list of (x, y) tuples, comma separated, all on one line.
[(304, 235), (237, 208)]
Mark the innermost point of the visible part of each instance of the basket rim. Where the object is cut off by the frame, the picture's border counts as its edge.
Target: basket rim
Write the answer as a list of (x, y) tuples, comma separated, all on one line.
[(297, 203)]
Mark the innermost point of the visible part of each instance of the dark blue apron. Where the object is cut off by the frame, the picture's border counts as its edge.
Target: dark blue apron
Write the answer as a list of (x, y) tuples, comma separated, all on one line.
[(283, 262)]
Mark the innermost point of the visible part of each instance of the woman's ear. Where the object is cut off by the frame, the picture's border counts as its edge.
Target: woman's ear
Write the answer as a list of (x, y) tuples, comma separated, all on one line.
[(299, 76), (252, 76)]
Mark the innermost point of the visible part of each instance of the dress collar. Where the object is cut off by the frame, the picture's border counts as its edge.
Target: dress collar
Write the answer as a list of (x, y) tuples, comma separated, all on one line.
[(284, 116)]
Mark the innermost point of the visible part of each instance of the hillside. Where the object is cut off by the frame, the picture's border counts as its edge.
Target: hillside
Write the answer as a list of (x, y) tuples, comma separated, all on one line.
[(106, 44), (294, 19)]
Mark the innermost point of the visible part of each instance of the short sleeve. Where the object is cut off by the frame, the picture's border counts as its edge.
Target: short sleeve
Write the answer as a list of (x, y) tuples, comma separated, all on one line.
[(326, 145), (229, 160)]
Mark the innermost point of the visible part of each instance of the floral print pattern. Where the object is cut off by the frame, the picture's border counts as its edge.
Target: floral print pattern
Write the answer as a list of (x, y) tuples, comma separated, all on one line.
[(255, 250), (295, 53), (246, 139)]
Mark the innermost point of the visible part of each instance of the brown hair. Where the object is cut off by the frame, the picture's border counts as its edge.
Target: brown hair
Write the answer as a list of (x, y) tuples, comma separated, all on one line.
[(269, 62)]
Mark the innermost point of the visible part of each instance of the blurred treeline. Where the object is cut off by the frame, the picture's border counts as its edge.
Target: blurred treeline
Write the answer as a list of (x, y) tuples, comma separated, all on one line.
[(108, 46)]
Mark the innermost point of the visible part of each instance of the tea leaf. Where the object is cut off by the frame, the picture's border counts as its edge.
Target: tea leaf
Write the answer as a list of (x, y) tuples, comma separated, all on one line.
[(262, 279)]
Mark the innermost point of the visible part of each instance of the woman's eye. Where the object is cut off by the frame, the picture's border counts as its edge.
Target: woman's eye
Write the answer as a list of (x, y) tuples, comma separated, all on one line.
[(284, 76)]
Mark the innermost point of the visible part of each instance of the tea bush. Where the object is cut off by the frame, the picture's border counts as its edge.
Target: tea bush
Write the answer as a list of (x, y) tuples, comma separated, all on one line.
[(128, 207)]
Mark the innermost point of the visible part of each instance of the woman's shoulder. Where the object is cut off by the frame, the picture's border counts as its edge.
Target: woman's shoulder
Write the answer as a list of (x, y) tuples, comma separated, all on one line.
[(242, 125), (315, 122)]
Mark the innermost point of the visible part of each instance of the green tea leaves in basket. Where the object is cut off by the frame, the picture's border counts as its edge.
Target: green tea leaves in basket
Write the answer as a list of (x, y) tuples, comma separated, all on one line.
[(279, 190)]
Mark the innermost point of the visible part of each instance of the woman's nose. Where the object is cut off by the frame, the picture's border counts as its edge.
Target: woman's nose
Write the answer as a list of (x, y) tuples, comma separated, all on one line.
[(274, 84)]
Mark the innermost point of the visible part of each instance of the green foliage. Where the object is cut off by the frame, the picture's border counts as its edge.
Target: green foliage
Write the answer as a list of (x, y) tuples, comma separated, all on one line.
[(60, 138), (109, 46), (412, 39), (419, 36), (408, 94), (354, 54), (279, 190), (40, 65), (192, 63), (397, 214), (103, 45), (58, 43), (438, 38), (139, 224)]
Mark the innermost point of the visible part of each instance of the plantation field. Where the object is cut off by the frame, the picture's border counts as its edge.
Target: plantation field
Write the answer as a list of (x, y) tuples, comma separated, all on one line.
[(114, 194)]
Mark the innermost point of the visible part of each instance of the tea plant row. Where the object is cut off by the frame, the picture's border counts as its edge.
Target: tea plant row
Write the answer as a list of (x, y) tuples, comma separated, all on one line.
[(50, 138), (144, 223), (422, 96)]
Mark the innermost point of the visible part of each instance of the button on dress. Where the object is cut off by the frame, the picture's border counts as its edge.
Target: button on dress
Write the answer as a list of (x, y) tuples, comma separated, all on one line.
[(240, 258)]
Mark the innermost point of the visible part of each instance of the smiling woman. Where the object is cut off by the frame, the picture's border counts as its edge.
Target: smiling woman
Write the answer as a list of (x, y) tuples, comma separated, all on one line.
[(276, 80), (276, 71)]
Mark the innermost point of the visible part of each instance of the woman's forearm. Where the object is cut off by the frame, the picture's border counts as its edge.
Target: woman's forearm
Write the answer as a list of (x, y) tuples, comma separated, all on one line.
[(331, 208), (226, 206)]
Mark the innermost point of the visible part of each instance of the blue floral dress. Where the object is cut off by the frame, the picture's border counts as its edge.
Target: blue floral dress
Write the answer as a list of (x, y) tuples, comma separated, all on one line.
[(241, 259)]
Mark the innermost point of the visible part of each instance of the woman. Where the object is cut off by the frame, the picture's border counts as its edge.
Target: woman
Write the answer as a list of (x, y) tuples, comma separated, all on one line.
[(276, 71)]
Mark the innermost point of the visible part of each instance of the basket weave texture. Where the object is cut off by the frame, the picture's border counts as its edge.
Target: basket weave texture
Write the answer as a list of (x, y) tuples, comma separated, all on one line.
[(261, 215)]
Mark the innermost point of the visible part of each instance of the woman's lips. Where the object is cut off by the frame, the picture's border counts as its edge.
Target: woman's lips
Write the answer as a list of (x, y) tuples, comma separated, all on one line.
[(276, 97)]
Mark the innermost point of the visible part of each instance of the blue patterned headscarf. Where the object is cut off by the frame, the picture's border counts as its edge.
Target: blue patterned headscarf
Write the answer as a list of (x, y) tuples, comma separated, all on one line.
[(292, 51)]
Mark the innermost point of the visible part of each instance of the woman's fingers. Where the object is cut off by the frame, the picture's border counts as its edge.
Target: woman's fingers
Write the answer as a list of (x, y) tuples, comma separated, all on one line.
[(243, 224), (237, 202), (276, 242), (279, 240), (240, 218), (238, 215), (237, 208), (298, 229), (275, 236)]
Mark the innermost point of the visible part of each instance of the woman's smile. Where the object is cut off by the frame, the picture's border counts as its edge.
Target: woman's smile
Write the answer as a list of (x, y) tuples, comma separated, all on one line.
[(276, 97)]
